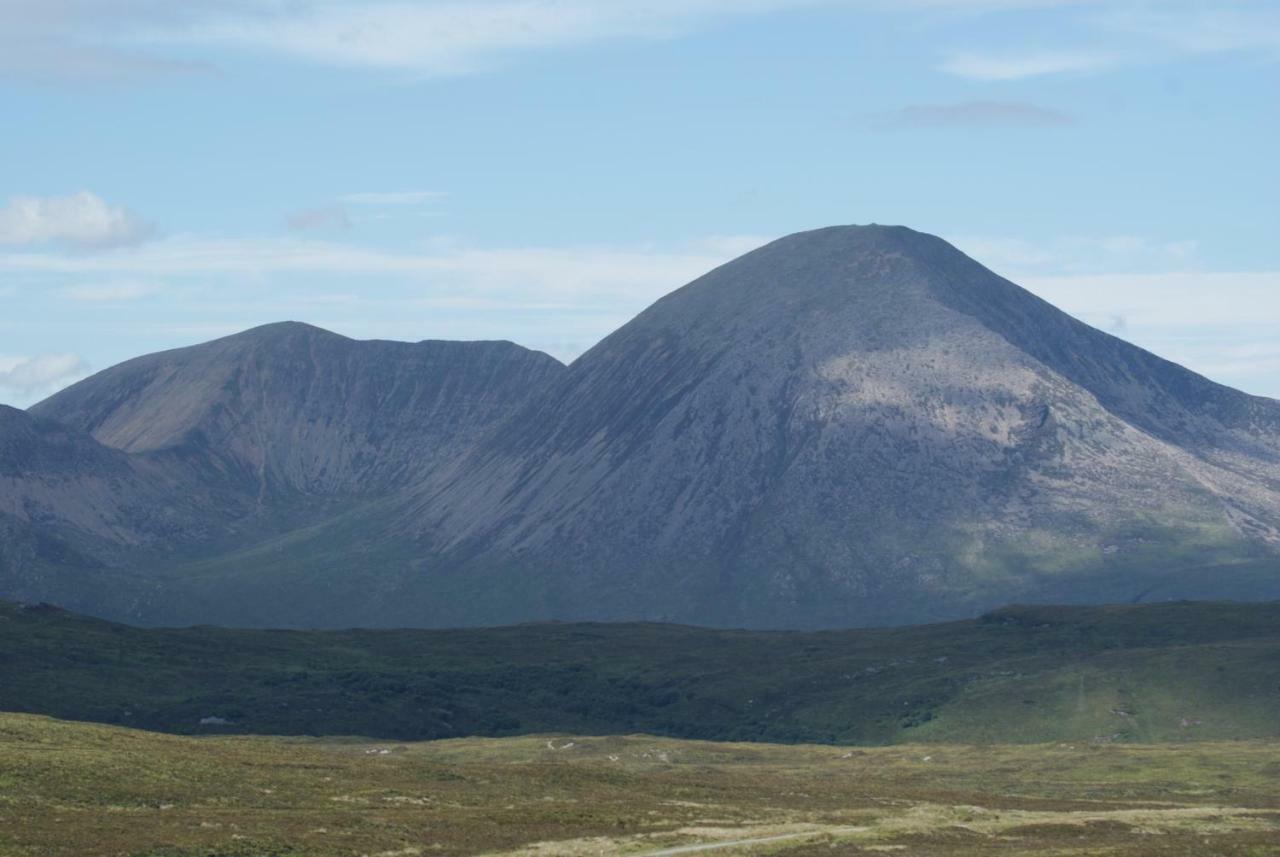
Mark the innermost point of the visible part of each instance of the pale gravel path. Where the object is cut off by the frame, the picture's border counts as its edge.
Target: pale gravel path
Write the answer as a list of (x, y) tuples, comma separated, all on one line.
[(737, 843)]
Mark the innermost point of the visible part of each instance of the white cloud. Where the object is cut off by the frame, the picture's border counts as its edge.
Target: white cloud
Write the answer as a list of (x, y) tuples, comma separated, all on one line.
[(108, 292), (88, 40), (83, 220), (1224, 325), (103, 39), (452, 36), (521, 274), (402, 197), (994, 67), (728, 247), (319, 219), (28, 376), (564, 299), (978, 113), (1177, 300), (1125, 33), (1078, 254), (1251, 364), (558, 299), (1200, 27)]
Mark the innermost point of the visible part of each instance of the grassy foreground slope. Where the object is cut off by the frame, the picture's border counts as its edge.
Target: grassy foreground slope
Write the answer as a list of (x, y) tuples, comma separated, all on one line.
[(1153, 673), (91, 791)]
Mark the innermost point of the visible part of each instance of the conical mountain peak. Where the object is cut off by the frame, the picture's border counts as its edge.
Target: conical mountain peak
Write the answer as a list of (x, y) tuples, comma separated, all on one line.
[(851, 411), (281, 330), (850, 425), (878, 272)]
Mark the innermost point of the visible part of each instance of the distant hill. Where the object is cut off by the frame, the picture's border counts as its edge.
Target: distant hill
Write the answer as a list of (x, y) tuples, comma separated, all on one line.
[(121, 481), (75, 510), (292, 408), (861, 425), (852, 426), (1167, 672)]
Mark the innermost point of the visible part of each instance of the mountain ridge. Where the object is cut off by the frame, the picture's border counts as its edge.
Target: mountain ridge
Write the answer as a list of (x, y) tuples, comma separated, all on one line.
[(852, 298), (339, 401), (852, 425)]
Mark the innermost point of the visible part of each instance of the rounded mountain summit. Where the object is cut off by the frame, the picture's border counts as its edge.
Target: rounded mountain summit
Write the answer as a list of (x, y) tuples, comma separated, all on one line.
[(849, 426)]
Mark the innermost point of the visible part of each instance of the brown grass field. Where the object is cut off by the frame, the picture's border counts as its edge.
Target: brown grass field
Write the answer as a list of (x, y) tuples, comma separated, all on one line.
[(79, 789)]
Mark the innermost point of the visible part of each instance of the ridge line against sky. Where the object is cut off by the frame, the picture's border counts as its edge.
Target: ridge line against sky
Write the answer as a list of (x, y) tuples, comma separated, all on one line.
[(540, 170)]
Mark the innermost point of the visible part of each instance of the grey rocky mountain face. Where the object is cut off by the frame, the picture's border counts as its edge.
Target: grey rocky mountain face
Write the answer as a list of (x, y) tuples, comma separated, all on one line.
[(236, 442), (856, 425), (292, 408), (73, 510)]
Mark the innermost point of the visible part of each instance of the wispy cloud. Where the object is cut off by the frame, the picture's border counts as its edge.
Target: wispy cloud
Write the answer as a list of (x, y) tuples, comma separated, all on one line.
[(104, 39), (560, 299), (1155, 293), (89, 40), (82, 220), (977, 66), (1224, 325), (1116, 34), (1250, 364), (978, 113), (399, 197), (1186, 300), (107, 39), (1199, 27), (28, 376), (112, 292), (325, 217), (452, 36), (1111, 254), (518, 273), (564, 299)]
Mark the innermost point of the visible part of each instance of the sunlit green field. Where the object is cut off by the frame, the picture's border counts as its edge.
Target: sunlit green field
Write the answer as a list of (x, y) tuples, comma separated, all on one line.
[(78, 789)]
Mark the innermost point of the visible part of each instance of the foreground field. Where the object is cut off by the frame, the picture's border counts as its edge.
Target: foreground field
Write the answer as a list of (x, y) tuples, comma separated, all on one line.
[(78, 789)]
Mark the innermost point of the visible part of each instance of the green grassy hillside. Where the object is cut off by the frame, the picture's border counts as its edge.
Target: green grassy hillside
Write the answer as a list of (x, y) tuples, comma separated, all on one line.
[(78, 790), (1167, 672)]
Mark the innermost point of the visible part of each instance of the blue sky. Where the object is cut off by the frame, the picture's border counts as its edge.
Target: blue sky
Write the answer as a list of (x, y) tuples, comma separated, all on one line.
[(541, 170)]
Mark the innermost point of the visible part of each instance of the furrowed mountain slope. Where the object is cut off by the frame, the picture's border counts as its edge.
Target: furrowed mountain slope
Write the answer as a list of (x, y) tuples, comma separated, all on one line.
[(292, 408), (850, 426), (862, 425), (61, 479), (124, 481), (70, 508)]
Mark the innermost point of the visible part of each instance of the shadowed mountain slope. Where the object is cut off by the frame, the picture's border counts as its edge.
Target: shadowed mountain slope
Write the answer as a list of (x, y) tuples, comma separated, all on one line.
[(850, 426), (293, 408), (110, 489), (853, 425), (61, 479), (71, 508)]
